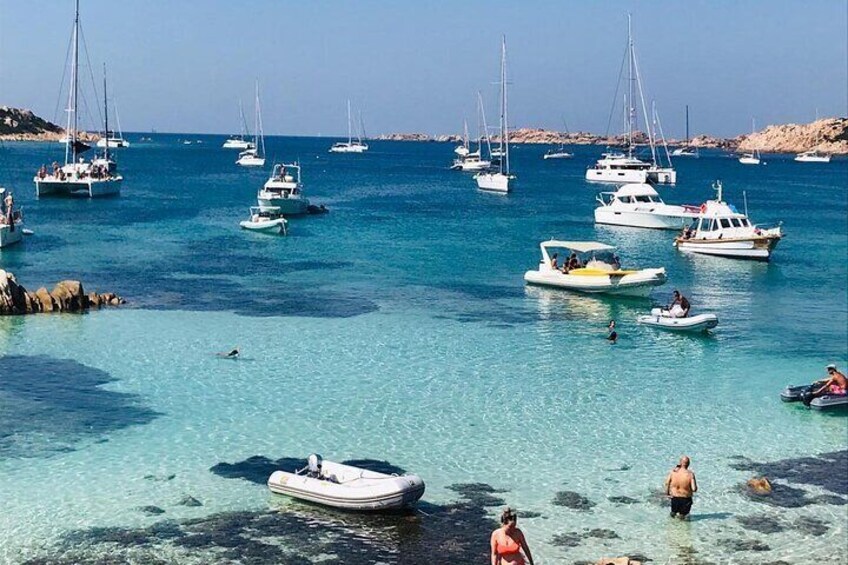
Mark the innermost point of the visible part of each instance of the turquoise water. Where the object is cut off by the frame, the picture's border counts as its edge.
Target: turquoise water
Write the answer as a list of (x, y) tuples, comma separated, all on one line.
[(398, 328)]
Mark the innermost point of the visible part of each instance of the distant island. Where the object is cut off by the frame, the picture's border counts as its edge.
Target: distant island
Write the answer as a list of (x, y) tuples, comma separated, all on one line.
[(18, 124), (829, 135)]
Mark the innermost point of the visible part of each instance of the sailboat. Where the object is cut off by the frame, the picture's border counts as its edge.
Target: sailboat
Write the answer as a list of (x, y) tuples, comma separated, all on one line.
[(620, 168), (239, 141), (105, 160), (463, 150), (752, 158), (111, 138), (687, 150), (473, 161), (350, 146), (255, 156), (77, 176), (559, 152), (812, 155), (498, 181)]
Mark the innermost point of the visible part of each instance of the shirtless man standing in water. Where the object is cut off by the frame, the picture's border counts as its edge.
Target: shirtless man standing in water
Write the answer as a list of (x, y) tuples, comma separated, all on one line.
[(680, 485)]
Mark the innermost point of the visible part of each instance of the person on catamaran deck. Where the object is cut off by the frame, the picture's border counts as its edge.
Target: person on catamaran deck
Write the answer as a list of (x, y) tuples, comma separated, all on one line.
[(680, 485), (836, 383), (508, 543), (679, 307)]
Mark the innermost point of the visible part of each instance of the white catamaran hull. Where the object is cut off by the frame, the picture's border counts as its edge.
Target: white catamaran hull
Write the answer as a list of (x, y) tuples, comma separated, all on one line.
[(636, 284), (89, 187), (493, 182)]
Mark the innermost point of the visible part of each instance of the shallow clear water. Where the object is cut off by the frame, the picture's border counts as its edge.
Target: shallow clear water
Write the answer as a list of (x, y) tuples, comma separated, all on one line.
[(398, 328)]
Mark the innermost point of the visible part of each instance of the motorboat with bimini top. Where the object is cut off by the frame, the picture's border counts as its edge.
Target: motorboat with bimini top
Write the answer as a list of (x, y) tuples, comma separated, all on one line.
[(77, 176), (347, 487), (830, 400), (663, 319), (720, 229), (638, 205), (11, 220), (284, 190), (266, 219), (592, 268)]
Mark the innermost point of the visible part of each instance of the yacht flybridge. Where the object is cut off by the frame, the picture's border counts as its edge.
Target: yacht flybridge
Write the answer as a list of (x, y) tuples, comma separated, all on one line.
[(499, 180), (720, 229), (593, 268), (255, 156), (350, 146), (77, 176), (640, 206), (623, 168)]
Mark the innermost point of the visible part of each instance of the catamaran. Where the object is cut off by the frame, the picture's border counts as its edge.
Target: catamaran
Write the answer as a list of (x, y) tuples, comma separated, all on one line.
[(239, 141), (350, 146), (687, 150), (617, 167), (255, 156), (77, 176), (498, 180)]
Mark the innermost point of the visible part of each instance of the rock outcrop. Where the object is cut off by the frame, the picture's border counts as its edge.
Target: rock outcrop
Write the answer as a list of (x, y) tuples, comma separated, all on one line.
[(66, 296), (618, 561), (759, 485), (829, 135), (23, 125)]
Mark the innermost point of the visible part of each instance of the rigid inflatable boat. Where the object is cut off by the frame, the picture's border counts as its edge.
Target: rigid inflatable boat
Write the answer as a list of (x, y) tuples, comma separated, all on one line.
[(660, 318), (800, 393), (347, 487)]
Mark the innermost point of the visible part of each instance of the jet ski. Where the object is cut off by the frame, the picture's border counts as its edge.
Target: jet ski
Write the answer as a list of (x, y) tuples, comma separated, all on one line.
[(660, 318)]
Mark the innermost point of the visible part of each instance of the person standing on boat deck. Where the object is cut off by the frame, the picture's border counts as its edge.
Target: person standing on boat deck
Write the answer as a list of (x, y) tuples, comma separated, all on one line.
[(680, 485), (679, 307), (508, 542)]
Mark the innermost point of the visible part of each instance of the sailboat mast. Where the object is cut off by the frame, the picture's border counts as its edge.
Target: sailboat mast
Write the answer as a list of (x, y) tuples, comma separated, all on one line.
[(465, 133), (71, 133), (106, 113), (349, 125), (630, 108), (504, 121), (687, 125)]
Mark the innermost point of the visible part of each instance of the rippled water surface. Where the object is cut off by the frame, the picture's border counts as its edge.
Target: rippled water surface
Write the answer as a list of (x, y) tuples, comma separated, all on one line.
[(397, 328)]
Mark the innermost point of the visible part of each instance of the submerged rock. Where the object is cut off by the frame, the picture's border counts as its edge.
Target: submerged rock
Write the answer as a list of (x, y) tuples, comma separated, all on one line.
[(66, 296), (573, 500), (190, 501)]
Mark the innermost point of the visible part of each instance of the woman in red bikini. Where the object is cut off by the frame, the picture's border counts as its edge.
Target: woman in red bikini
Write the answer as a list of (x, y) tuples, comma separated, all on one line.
[(508, 542)]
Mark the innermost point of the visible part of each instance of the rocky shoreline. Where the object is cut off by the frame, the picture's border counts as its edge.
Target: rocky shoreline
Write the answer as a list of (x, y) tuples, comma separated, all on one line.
[(23, 125), (66, 296), (828, 135)]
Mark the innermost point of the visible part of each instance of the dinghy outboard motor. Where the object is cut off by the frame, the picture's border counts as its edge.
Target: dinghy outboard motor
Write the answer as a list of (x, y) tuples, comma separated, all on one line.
[(313, 465)]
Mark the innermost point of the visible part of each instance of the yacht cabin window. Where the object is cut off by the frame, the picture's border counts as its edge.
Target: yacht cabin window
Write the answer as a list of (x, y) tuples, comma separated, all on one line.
[(736, 223), (725, 223)]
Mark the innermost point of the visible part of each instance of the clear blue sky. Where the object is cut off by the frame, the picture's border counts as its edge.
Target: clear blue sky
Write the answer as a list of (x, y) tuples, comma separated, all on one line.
[(414, 66)]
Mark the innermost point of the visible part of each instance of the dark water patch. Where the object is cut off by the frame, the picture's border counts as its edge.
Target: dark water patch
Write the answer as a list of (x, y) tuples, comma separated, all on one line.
[(623, 500), (525, 514), (189, 501), (161, 478), (52, 404), (744, 545), (258, 468), (601, 533), (479, 494), (573, 500), (568, 539), (762, 523), (783, 496), (831, 499), (484, 292), (151, 510), (811, 526), (295, 534), (828, 470)]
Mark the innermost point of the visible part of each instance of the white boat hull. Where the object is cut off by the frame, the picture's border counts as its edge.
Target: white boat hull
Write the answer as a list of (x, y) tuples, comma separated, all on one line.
[(287, 206), (113, 143), (471, 166), (236, 144), (277, 225), (812, 159), (494, 182), (92, 188), (660, 319), (9, 236), (664, 175), (637, 284), (760, 248), (354, 148), (359, 490), (251, 161), (617, 176), (749, 160), (638, 219), (562, 155)]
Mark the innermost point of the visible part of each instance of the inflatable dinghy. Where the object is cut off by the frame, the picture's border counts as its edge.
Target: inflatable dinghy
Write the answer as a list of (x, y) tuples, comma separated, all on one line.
[(347, 487), (801, 393), (660, 318)]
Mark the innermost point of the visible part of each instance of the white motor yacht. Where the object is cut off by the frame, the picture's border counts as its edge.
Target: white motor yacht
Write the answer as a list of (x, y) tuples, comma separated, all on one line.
[(350, 146), (592, 268), (472, 162), (254, 156), (618, 168), (11, 221), (720, 229), (284, 191), (498, 180), (640, 206), (812, 156)]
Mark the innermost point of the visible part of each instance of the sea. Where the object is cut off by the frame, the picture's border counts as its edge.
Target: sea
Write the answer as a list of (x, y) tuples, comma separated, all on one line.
[(396, 331)]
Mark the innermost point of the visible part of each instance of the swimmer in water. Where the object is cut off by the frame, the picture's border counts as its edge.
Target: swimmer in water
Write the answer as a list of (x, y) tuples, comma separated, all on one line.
[(232, 354), (612, 336)]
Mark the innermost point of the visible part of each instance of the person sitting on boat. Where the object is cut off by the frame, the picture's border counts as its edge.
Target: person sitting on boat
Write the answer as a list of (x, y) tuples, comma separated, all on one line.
[(836, 383), (554, 264), (508, 544), (573, 261), (679, 307)]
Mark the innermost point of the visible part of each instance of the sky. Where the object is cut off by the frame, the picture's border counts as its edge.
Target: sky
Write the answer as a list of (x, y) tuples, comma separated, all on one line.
[(415, 66)]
